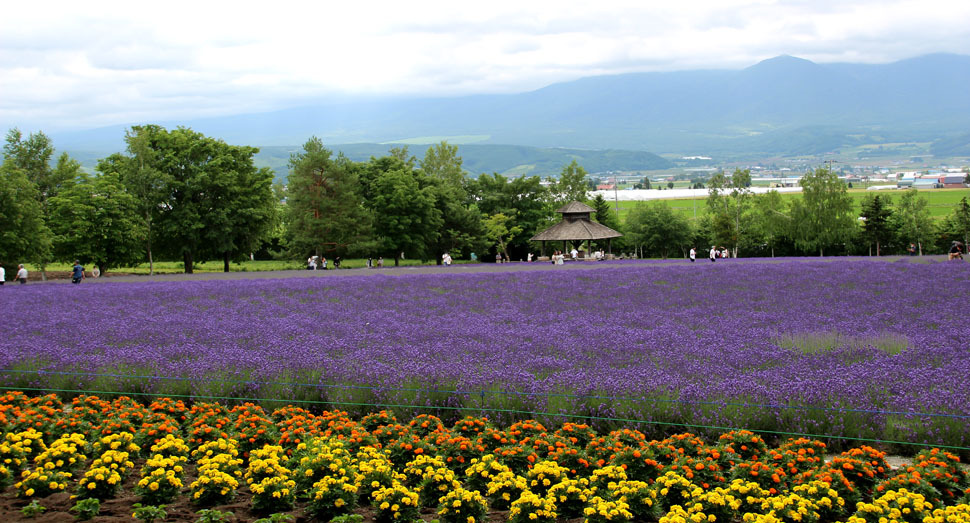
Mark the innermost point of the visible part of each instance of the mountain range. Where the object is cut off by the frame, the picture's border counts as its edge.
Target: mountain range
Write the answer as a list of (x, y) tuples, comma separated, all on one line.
[(781, 106)]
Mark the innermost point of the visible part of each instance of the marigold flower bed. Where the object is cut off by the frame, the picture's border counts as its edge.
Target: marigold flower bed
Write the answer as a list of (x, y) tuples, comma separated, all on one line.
[(320, 465)]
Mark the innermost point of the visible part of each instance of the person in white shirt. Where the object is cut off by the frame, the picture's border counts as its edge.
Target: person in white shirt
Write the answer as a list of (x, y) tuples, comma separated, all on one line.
[(22, 274), (713, 253), (574, 253), (693, 255), (3, 275)]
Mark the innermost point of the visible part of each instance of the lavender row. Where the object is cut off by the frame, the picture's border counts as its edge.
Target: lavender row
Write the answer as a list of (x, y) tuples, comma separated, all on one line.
[(858, 348)]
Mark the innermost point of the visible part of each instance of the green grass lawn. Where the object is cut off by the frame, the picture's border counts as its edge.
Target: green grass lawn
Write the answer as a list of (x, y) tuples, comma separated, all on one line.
[(940, 202)]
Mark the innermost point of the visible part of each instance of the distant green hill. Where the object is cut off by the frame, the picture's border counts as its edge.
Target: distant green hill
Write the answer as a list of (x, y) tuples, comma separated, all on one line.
[(511, 160)]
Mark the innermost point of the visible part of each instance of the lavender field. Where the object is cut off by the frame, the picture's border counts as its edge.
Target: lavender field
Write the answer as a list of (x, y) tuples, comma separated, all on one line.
[(863, 349)]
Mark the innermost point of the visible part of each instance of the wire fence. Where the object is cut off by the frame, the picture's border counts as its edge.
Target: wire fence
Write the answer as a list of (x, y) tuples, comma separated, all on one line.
[(485, 407)]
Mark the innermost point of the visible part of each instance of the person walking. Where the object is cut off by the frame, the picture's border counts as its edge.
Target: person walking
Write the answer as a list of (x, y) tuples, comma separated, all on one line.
[(77, 272), (21, 274), (693, 254)]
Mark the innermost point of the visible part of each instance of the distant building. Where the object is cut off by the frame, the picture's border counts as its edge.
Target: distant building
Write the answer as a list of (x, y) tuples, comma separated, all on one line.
[(952, 180), (605, 187)]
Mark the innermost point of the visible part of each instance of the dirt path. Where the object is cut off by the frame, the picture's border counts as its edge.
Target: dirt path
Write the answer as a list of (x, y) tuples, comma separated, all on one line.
[(465, 268)]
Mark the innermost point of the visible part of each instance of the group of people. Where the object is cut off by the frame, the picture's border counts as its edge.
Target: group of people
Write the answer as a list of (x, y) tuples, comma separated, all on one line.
[(715, 253), (77, 273), (446, 259), (313, 262), (21, 274)]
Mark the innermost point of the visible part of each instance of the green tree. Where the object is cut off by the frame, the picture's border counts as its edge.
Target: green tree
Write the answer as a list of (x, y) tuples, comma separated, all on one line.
[(32, 155), (441, 161), (207, 209), (729, 200), (957, 224), (824, 216), (606, 216), (913, 219), (523, 199), (406, 220), (247, 209), (97, 221), (571, 185), (24, 235), (770, 219), (497, 230), (461, 228), (142, 177), (657, 229), (877, 227), (325, 212)]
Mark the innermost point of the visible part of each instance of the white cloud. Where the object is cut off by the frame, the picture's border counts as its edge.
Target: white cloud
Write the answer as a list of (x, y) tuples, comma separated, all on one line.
[(81, 64)]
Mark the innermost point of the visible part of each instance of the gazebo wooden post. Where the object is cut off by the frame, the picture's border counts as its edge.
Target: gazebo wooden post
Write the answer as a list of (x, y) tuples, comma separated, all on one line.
[(609, 245), (542, 249)]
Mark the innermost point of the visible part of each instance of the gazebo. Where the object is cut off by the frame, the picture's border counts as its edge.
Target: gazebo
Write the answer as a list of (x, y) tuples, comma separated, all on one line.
[(576, 226)]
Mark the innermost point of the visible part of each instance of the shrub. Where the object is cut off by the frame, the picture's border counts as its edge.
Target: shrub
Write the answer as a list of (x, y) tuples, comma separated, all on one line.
[(332, 496), (462, 506), (86, 509), (149, 513), (396, 504)]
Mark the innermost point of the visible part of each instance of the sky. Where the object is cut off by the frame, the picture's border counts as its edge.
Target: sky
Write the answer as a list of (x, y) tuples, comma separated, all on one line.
[(78, 65)]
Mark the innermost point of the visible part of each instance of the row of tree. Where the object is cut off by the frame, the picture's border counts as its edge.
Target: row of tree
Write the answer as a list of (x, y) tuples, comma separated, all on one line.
[(177, 194), (180, 195), (822, 220), (398, 206)]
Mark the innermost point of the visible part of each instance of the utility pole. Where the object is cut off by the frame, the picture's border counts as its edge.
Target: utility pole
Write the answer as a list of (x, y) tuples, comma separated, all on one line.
[(616, 197)]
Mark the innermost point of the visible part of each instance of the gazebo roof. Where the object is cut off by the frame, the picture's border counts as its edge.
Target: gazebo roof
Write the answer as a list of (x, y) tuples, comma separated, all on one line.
[(576, 230), (575, 207)]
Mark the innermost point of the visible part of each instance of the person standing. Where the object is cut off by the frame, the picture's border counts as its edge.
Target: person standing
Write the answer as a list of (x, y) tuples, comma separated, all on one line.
[(3, 275), (529, 257), (77, 272), (21, 274), (693, 254), (380, 262), (713, 253), (95, 272), (574, 254)]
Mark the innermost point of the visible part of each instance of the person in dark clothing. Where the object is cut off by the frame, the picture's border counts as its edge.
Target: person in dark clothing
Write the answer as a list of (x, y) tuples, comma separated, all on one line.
[(77, 272)]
